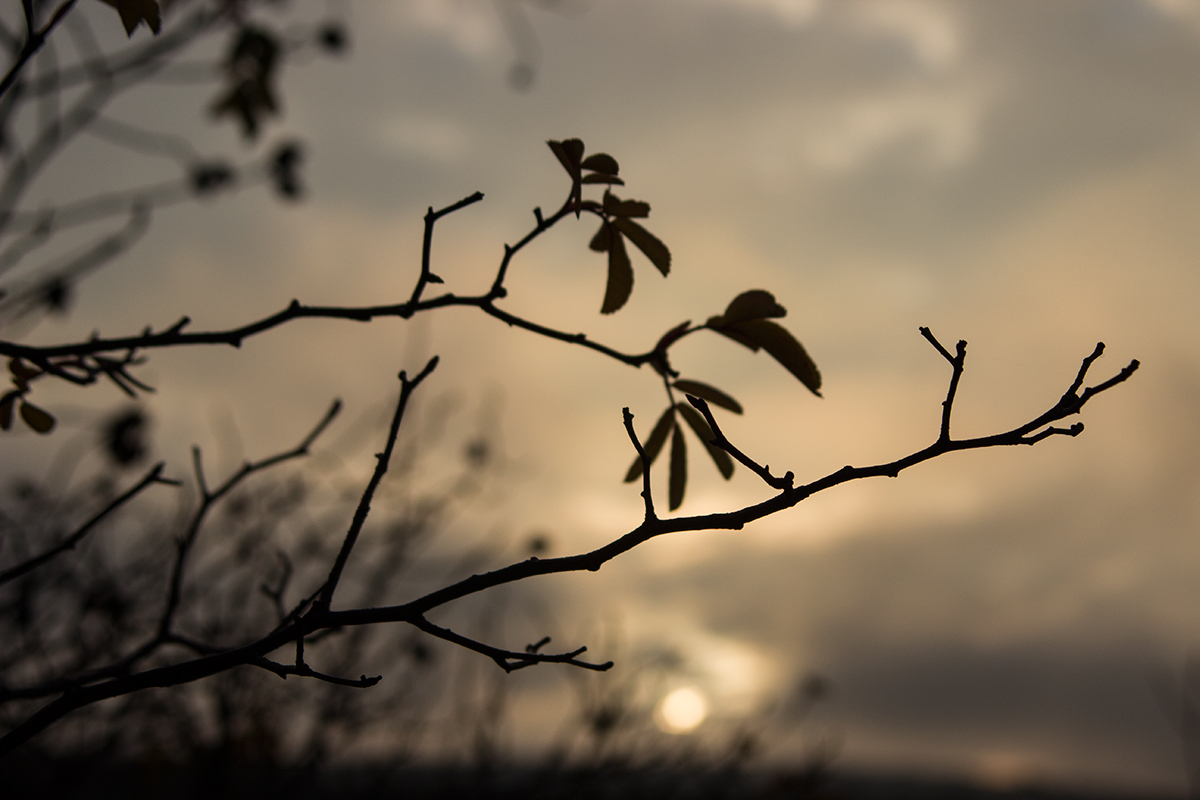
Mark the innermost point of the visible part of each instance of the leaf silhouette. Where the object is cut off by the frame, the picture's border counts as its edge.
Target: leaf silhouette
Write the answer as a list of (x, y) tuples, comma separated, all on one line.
[(604, 169), (603, 177), (285, 170), (36, 418), (602, 238), (710, 393), (134, 12), (6, 409), (601, 162), (672, 336), (754, 304), (620, 276), (677, 482), (732, 332), (784, 348), (648, 243), (616, 207), (704, 433), (22, 371), (570, 154), (653, 444), (251, 66)]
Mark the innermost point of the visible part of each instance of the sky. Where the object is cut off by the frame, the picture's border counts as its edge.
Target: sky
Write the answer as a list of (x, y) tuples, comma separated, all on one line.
[(1021, 175)]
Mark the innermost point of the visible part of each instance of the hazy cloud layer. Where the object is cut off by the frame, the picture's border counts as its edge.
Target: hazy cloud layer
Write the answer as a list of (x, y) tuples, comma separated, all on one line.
[(1023, 175)]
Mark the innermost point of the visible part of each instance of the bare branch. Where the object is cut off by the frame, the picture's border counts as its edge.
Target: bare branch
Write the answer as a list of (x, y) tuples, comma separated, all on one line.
[(320, 618), (364, 506), (957, 362), (34, 40), (153, 476), (720, 440), (509, 660), (647, 496), (305, 671), (432, 217)]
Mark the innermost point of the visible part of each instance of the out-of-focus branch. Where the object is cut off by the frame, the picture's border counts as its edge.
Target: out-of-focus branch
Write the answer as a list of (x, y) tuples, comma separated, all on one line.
[(35, 38), (164, 633), (152, 477), (319, 617)]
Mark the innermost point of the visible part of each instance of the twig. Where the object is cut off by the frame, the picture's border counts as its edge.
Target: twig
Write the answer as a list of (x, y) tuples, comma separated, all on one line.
[(305, 671), (364, 505), (164, 634), (431, 217), (413, 613), (207, 499), (720, 440), (509, 660), (957, 361), (647, 497), (34, 40), (153, 476)]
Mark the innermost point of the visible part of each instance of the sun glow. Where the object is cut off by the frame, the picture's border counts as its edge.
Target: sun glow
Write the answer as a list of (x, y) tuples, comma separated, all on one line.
[(681, 711)]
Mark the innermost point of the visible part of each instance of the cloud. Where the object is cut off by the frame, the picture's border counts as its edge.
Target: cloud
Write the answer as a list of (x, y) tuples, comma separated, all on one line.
[(427, 138), (926, 129), (793, 13), (928, 30), (471, 27)]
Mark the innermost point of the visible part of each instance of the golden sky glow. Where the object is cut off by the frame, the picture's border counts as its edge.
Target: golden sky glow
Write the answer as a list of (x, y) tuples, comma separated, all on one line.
[(1022, 175)]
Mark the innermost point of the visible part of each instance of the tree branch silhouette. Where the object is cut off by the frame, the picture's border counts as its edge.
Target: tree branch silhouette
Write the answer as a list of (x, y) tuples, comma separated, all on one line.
[(69, 543), (747, 320)]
